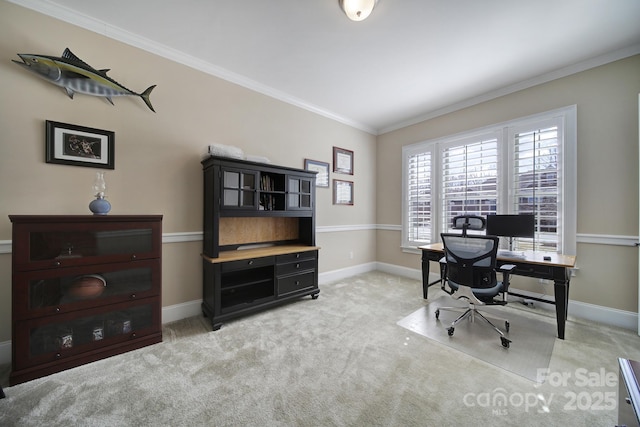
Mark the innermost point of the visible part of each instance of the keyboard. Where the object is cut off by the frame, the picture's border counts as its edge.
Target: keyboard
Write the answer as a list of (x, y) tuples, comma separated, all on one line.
[(510, 254)]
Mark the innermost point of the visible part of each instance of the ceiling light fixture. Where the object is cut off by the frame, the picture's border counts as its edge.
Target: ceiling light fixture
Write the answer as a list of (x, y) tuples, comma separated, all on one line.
[(357, 10)]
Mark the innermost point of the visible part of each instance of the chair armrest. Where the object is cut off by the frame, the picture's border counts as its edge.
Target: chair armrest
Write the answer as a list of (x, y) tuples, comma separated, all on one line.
[(443, 273), (506, 269)]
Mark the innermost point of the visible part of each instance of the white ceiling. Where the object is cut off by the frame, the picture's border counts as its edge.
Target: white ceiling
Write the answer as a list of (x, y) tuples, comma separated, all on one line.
[(410, 60)]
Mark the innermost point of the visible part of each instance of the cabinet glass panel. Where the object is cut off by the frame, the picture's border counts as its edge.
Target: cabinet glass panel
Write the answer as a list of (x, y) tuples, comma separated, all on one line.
[(61, 245), (57, 291), (231, 198), (69, 335), (239, 189), (294, 185), (232, 179), (299, 193)]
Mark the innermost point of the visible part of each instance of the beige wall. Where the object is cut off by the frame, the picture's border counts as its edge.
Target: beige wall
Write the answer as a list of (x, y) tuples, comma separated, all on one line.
[(607, 109), (158, 156), (157, 161)]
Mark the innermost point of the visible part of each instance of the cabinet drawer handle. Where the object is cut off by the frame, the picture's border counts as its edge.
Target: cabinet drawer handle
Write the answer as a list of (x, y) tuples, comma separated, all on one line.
[(134, 256), (297, 265), (297, 255), (133, 296), (58, 355), (57, 309), (56, 264), (133, 335), (250, 262), (297, 283)]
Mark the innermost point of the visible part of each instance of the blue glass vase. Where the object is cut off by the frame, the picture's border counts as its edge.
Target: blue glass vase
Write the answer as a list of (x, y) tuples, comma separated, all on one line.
[(100, 206)]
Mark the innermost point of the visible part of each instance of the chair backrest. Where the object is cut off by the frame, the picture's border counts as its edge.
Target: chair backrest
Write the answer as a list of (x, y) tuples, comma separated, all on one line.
[(468, 222), (471, 259)]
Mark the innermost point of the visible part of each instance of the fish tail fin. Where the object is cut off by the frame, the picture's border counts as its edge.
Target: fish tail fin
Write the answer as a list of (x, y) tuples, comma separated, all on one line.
[(145, 97)]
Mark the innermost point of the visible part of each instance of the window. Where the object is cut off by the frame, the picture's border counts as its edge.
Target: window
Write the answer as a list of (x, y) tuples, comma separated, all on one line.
[(522, 166), (469, 174), (418, 222)]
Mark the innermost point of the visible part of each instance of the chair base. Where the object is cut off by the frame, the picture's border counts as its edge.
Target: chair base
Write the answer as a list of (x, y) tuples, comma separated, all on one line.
[(471, 314)]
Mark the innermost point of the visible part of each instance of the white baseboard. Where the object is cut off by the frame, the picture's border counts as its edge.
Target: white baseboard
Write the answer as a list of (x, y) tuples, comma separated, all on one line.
[(172, 313), (343, 273), (410, 273), (596, 313)]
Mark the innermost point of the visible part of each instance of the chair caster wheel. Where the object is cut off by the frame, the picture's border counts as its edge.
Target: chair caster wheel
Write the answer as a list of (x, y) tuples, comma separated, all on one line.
[(505, 342), (506, 325), (437, 314), (450, 331)]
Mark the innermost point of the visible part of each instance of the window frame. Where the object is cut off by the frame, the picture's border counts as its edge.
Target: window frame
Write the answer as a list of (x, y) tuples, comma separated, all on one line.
[(565, 118)]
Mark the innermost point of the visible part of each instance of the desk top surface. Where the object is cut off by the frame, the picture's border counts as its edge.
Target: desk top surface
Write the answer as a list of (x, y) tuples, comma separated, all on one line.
[(530, 257), (226, 256)]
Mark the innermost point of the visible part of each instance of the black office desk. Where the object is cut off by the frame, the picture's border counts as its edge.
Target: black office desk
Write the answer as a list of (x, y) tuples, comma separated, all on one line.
[(557, 269)]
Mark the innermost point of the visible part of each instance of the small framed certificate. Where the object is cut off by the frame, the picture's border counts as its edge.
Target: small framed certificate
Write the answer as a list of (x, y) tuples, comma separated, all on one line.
[(342, 192), (322, 169), (342, 161)]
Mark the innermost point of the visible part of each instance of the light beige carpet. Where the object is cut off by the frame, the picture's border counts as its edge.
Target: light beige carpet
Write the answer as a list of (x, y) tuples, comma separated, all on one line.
[(340, 360), (533, 338)]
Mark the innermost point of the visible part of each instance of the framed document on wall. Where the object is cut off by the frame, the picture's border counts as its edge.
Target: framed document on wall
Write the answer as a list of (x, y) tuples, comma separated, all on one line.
[(342, 192), (322, 169), (342, 161)]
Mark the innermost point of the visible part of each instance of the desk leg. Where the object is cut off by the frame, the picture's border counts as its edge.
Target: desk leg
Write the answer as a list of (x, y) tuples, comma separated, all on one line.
[(425, 277), (561, 290)]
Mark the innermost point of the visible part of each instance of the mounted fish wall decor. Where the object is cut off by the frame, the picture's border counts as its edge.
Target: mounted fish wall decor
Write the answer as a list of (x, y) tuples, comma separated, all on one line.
[(75, 75)]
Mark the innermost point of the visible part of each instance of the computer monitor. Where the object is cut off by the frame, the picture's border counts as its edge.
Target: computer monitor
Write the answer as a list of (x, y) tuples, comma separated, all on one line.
[(511, 226)]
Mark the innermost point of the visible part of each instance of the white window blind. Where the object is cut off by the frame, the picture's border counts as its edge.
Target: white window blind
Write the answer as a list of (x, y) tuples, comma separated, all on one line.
[(537, 183), (418, 215), (469, 179)]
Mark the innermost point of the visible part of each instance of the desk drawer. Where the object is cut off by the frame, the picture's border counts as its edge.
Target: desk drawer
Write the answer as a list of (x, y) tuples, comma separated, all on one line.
[(296, 283), (549, 272), (533, 270), (297, 256), (295, 267), (247, 263)]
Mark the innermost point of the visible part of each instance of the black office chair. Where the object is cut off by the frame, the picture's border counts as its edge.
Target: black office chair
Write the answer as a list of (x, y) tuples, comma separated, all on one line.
[(464, 223), (471, 275)]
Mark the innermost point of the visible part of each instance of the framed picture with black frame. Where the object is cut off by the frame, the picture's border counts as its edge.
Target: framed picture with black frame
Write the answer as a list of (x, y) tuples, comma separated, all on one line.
[(322, 169), (75, 145)]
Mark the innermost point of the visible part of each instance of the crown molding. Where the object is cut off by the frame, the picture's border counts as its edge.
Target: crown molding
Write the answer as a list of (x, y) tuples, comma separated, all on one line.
[(526, 84), (70, 16)]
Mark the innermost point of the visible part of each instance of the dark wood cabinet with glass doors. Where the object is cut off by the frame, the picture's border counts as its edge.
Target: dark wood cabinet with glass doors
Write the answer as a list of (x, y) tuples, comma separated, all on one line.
[(84, 288)]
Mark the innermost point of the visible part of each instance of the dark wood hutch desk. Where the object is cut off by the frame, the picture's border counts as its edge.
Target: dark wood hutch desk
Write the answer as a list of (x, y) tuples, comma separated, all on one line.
[(557, 269)]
